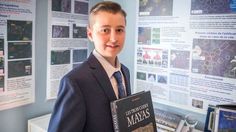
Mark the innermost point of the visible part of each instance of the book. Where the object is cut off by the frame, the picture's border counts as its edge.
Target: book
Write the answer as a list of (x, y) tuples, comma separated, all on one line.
[(167, 121), (227, 106), (209, 122), (225, 118), (134, 113)]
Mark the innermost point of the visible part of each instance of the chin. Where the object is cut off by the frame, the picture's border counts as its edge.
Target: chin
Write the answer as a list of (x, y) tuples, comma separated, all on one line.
[(110, 55)]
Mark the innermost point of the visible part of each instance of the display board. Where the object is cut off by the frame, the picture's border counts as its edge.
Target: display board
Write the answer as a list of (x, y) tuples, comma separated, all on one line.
[(67, 39), (17, 53), (186, 53)]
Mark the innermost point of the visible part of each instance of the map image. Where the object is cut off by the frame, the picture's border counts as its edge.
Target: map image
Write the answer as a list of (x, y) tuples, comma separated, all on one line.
[(212, 6), (214, 57)]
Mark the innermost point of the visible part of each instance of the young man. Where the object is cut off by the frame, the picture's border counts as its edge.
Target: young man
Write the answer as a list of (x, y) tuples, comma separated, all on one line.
[(83, 103)]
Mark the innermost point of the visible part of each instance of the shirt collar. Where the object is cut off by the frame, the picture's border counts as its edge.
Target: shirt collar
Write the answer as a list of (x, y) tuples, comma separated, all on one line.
[(106, 65)]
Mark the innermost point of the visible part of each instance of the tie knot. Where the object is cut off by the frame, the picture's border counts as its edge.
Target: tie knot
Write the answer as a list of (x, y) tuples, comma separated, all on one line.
[(118, 76)]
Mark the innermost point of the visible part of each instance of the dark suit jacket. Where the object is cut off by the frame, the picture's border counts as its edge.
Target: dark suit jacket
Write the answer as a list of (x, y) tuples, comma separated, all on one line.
[(83, 102)]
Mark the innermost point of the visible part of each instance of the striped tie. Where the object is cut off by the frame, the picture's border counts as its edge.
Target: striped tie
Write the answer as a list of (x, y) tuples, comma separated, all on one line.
[(121, 90)]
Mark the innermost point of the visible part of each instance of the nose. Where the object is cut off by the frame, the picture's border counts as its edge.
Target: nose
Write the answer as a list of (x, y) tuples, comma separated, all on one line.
[(113, 36)]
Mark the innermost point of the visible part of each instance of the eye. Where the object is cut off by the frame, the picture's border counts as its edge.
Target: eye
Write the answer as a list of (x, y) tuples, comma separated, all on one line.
[(105, 30), (120, 30)]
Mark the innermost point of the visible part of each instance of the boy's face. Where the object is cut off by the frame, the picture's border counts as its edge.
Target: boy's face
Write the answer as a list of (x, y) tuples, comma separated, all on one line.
[(107, 31)]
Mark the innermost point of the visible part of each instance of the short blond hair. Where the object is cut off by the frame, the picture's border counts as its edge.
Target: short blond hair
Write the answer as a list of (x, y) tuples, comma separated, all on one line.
[(106, 6)]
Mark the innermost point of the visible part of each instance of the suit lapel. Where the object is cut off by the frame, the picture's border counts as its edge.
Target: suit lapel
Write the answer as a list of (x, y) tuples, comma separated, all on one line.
[(101, 76)]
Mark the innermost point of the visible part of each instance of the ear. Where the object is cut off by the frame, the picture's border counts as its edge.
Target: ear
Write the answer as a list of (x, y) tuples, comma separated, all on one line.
[(90, 33)]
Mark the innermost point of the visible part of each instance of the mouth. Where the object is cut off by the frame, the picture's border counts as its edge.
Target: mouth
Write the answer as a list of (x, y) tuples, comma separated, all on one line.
[(113, 46)]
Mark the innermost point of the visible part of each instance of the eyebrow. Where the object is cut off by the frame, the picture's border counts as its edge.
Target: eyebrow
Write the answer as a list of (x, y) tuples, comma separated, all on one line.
[(120, 26)]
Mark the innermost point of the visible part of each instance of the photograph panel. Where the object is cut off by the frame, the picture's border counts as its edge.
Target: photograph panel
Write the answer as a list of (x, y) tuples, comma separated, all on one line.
[(59, 31), (61, 5), (141, 76), (1, 65), (19, 30), (80, 55), (144, 35), (179, 59), (79, 31), (151, 77), (17, 50), (60, 57), (197, 103), (162, 79), (81, 7), (201, 7), (1, 56), (1, 47), (19, 68), (1, 83), (214, 57), (155, 7)]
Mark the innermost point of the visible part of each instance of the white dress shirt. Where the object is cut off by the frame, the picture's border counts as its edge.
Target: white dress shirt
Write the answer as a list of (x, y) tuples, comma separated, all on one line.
[(110, 70)]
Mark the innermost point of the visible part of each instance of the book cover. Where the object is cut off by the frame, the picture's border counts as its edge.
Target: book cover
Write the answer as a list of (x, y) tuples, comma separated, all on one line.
[(225, 120), (168, 122), (134, 113), (209, 122)]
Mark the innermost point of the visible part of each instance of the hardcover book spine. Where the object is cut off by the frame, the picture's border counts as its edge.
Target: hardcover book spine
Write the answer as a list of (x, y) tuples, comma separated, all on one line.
[(209, 119), (114, 117)]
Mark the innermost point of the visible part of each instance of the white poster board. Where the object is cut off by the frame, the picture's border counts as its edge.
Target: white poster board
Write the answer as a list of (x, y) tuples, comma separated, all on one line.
[(67, 40), (17, 53), (186, 53)]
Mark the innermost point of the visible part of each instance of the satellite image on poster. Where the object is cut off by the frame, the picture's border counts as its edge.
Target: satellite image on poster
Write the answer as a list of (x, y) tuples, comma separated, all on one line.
[(60, 57), (214, 57), (155, 7), (19, 30), (200, 7), (19, 68), (61, 5)]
